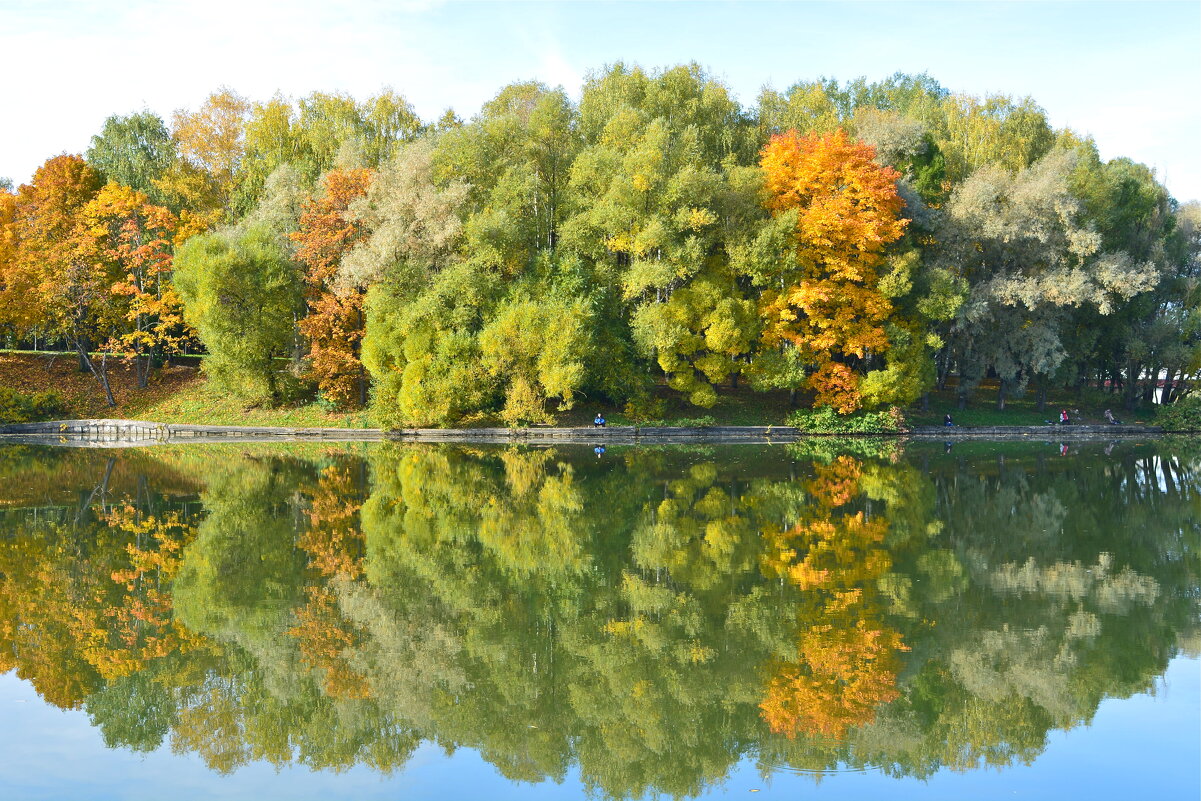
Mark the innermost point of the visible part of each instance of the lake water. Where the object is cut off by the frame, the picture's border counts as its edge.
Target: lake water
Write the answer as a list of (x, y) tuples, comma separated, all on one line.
[(820, 620)]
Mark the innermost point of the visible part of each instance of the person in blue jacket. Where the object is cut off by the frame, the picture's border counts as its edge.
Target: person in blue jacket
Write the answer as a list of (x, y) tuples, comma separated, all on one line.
[(599, 422)]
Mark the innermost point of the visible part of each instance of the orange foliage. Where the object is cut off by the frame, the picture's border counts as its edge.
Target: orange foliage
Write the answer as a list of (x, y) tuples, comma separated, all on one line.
[(847, 210), (136, 237), (847, 659), (844, 672), (334, 539), (334, 544), (334, 325), (324, 636), (50, 277)]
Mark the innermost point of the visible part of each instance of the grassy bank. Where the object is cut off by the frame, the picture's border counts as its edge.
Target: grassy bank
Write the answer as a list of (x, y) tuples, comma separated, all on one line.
[(175, 395), (180, 394)]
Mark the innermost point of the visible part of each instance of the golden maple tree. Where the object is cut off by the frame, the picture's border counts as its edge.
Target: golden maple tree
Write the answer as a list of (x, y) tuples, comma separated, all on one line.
[(827, 304), (847, 655)]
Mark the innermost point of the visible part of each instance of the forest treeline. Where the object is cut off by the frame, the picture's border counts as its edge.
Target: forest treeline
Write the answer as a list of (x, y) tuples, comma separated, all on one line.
[(854, 244)]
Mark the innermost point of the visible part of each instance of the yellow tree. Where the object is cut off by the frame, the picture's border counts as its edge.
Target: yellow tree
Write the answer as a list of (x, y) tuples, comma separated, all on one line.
[(827, 303), (212, 140), (125, 229), (57, 282)]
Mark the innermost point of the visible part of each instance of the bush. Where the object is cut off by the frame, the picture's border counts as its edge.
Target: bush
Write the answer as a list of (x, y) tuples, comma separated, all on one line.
[(824, 420), (1183, 415), (21, 407), (644, 409), (706, 421)]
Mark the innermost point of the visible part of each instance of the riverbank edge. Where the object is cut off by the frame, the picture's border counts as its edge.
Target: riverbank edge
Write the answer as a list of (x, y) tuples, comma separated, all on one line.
[(123, 433)]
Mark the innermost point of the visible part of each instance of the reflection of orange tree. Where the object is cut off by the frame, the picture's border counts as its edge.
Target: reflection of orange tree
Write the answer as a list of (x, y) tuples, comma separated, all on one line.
[(847, 663), (334, 544)]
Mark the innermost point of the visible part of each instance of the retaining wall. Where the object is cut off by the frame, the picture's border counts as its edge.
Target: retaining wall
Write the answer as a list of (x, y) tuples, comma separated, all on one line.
[(121, 433)]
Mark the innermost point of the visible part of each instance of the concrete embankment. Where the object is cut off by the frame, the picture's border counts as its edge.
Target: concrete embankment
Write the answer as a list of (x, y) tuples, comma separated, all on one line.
[(1034, 432), (132, 433), (126, 433)]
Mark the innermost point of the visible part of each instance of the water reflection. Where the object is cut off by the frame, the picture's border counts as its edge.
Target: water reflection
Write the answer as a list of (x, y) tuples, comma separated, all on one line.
[(651, 618)]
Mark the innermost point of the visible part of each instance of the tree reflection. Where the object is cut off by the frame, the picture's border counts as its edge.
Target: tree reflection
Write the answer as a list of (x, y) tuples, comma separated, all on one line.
[(651, 618)]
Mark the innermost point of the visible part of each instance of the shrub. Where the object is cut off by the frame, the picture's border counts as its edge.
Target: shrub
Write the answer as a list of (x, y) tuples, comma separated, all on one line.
[(825, 420), (644, 409), (706, 421), (21, 407), (1183, 415)]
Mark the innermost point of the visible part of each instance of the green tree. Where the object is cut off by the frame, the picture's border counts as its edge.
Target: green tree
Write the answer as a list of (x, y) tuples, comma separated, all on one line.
[(242, 293), (135, 151)]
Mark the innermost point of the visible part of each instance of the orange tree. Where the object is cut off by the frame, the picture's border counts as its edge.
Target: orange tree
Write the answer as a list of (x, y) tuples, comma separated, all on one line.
[(826, 303), (335, 322)]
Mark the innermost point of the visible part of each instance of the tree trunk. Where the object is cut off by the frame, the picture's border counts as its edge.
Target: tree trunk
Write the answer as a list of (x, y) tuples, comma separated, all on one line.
[(944, 368), (1042, 396), (1001, 396), (1152, 385), (961, 402), (925, 401), (1130, 388), (101, 374), (792, 398), (85, 364), (1169, 386)]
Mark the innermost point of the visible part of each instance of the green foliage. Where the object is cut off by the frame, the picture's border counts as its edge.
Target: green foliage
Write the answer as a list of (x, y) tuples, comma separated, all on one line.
[(1182, 415), (22, 407), (548, 250), (825, 420), (242, 294), (135, 151)]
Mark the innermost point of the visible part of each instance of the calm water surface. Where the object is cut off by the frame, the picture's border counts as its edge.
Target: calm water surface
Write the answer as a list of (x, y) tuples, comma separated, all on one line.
[(806, 621)]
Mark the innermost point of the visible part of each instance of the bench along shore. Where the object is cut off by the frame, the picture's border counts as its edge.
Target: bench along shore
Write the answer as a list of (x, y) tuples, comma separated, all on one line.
[(132, 433)]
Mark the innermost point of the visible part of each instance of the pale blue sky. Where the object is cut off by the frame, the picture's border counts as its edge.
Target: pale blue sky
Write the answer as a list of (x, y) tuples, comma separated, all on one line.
[(1127, 73)]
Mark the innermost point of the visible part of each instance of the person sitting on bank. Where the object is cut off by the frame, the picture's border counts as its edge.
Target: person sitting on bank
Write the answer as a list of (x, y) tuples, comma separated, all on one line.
[(947, 421), (1109, 418), (599, 422), (1063, 417)]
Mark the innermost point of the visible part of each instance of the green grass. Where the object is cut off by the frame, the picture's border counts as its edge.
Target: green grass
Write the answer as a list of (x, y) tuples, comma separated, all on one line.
[(1023, 411), (199, 403)]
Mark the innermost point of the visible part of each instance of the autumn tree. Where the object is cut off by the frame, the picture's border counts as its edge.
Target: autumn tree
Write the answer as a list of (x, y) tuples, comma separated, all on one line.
[(124, 229), (61, 281), (827, 303), (212, 140), (335, 321)]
